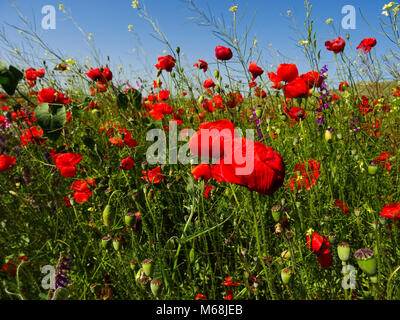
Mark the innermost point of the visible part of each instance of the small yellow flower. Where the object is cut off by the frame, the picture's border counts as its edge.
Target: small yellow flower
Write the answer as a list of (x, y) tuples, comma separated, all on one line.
[(70, 62), (388, 6), (20, 31), (16, 51), (135, 4), (396, 10), (233, 9), (120, 67), (385, 13), (90, 36), (289, 12), (164, 51), (235, 40), (130, 28), (60, 7), (329, 21), (255, 42), (303, 42)]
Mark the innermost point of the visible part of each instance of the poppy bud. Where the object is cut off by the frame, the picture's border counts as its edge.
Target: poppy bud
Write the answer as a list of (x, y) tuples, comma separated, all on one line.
[(366, 261), (328, 136), (218, 88), (372, 168), (105, 241), (173, 74), (191, 255), (216, 74), (155, 286), (139, 275), (116, 244), (132, 264), (159, 72), (130, 219), (147, 266), (108, 216), (178, 50), (286, 273), (283, 117), (343, 250)]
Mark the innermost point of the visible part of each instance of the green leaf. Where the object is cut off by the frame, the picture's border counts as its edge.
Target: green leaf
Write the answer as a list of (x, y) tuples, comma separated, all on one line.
[(9, 78), (122, 101), (51, 119), (136, 98)]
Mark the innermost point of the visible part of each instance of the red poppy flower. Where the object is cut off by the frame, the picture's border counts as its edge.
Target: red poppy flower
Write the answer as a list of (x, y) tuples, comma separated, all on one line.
[(166, 63), (342, 85), (50, 95), (127, 163), (223, 53), (208, 83), (367, 44), (295, 113), (296, 89), (6, 162), (100, 75), (340, 204), (306, 175), (153, 176), (33, 135), (383, 160), (207, 190), (251, 164), (160, 109), (200, 296), (255, 70), (228, 282), (30, 74), (163, 95), (201, 171), (83, 190), (286, 72), (229, 295), (320, 246), (312, 79), (66, 163), (336, 45), (202, 65), (258, 92), (218, 133), (391, 211)]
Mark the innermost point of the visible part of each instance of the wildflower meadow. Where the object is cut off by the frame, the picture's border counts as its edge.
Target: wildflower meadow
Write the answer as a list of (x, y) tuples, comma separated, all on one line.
[(223, 178)]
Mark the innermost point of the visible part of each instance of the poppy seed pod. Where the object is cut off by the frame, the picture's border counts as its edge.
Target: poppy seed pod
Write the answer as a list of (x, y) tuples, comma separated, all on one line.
[(116, 244), (155, 286), (372, 168), (130, 219), (276, 214), (105, 242), (366, 261), (147, 266), (343, 249), (286, 274)]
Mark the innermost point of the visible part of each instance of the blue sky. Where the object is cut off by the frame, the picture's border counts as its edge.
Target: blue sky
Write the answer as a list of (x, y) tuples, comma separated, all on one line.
[(108, 21)]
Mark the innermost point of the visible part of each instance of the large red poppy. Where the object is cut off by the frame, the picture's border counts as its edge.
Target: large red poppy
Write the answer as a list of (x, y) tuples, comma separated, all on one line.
[(336, 45), (286, 72), (320, 246), (49, 95), (391, 211), (6, 162), (367, 44), (297, 88), (66, 163), (166, 63), (223, 53), (255, 70)]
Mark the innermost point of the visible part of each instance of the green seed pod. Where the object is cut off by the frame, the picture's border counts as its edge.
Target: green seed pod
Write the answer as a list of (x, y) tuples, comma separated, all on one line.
[(366, 261), (276, 212), (286, 274), (147, 266), (178, 50), (105, 242), (138, 275), (216, 74), (108, 216), (155, 286), (130, 219), (343, 250), (372, 168), (173, 74), (132, 264), (60, 294)]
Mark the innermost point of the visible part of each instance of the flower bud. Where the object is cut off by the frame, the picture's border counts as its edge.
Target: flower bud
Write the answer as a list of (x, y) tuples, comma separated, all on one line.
[(116, 244), (191, 255), (366, 261), (132, 264), (155, 286), (216, 74), (178, 50), (130, 219), (328, 136), (147, 266), (173, 74), (108, 216), (276, 212), (286, 273), (343, 249)]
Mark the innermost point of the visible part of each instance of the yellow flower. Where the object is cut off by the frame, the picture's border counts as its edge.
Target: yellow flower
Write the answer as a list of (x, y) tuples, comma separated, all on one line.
[(16, 50), (135, 4), (329, 21), (289, 12), (120, 67), (385, 13), (396, 10), (303, 42), (255, 42), (235, 40), (130, 27), (233, 9), (70, 62), (60, 7), (20, 31), (389, 5), (90, 35)]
